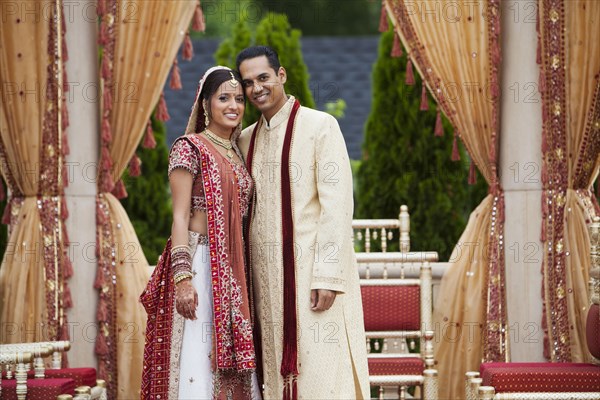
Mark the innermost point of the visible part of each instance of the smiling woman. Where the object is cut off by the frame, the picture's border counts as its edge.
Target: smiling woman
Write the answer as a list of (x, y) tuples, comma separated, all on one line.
[(210, 354)]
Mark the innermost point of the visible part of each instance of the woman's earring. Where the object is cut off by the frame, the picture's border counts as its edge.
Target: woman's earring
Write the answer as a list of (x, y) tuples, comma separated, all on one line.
[(206, 120)]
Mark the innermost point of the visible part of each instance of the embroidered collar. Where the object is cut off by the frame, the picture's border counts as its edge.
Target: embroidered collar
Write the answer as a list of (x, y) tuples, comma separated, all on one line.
[(281, 115)]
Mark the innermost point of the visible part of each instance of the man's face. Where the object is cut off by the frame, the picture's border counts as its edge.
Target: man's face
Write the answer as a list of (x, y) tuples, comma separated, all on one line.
[(263, 85)]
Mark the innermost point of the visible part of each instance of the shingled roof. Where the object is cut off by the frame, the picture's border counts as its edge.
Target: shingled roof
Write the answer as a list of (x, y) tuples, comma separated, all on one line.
[(339, 68)]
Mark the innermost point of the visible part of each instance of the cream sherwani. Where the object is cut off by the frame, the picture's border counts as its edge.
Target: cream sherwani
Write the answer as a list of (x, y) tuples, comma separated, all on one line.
[(332, 356)]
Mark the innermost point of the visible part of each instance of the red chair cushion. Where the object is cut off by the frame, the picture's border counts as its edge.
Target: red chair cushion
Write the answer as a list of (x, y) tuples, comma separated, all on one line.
[(396, 366), (593, 330), (543, 377), (81, 376), (514, 365), (391, 308), (39, 389)]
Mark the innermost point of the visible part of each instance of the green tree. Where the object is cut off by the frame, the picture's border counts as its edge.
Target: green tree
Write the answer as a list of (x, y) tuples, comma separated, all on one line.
[(149, 201), (403, 163), (328, 17), (273, 30)]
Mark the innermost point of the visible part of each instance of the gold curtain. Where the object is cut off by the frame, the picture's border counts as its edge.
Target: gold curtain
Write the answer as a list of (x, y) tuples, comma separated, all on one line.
[(455, 47), (31, 275), (147, 35), (570, 83)]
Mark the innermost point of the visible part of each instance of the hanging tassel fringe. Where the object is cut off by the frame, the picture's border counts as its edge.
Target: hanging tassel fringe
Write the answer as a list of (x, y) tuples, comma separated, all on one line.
[(439, 127), (383, 20), (397, 48), (67, 299), (2, 190), (198, 23), (162, 113), (455, 153), (101, 348), (410, 76), (175, 83), (188, 48), (135, 166), (119, 191), (149, 140), (424, 101), (106, 133), (472, 174)]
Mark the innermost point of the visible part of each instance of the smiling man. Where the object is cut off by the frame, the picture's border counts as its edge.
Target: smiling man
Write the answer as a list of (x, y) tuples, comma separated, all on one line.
[(304, 275)]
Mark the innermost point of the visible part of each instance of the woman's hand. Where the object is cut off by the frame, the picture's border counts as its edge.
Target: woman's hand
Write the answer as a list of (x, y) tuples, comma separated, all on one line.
[(186, 299)]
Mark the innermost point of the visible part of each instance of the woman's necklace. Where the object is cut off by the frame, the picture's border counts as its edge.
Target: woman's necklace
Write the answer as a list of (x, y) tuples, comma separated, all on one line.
[(224, 143)]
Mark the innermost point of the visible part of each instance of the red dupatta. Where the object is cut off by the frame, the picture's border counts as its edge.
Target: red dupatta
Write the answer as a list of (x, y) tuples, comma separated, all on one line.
[(233, 347)]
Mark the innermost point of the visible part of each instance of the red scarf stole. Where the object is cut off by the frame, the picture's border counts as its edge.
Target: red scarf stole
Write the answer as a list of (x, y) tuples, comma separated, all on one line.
[(289, 362), (233, 346)]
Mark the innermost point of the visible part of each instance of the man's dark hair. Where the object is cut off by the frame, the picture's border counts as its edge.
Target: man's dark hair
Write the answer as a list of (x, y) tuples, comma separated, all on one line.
[(258, 51)]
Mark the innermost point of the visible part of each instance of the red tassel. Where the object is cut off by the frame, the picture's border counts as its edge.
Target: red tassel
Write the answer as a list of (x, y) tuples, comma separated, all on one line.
[(162, 114), (7, 213), (149, 141), (65, 50), (67, 299), (103, 35), (106, 161), (106, 68), (107, 183), (64, 335), (102, 372), (66, 150), (67, 267), (119, 190), (175, 83), (410, 76), (424, 102), (472, 175), (542, 81), (102, 313), (188, 48), (99, 281), (397, 48), (101, 348), (101, 8), (65, 235), (135, 166), (538, 54), (455, 153), (198, 23), (107, 100), (106, 134), (64, 212), (2, 190), (439, 127), (383, 20)]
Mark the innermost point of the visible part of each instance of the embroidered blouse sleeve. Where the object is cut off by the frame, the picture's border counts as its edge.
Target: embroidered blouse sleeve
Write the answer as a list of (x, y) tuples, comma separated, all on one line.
[(183, 156)]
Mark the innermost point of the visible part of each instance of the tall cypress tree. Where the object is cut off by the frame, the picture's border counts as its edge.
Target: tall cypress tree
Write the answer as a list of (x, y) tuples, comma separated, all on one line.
[(148, 203), (275, 31), (405, 164)]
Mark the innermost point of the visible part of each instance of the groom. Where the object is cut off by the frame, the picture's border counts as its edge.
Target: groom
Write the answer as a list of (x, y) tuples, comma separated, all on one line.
[(306, 288)]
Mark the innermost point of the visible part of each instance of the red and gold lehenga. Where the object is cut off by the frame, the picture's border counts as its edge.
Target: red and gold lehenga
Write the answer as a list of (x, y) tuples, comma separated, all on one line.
[(223, 330)]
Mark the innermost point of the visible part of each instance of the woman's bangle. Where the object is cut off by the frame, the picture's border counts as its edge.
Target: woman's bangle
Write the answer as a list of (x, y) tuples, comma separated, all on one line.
[(182, 276)]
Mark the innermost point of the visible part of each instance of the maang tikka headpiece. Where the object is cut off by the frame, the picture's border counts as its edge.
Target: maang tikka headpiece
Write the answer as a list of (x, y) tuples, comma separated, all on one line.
[(233, 82)]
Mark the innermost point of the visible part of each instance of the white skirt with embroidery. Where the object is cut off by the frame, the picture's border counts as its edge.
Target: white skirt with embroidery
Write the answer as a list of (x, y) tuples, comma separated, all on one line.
[(195, 371)]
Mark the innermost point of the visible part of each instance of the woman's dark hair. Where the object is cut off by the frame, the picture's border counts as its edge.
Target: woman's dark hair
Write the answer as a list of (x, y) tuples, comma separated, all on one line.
[(259, 51), (213, 81)]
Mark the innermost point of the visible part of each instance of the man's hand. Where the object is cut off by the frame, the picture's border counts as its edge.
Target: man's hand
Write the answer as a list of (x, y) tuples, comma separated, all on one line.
[(186, 299), (321, 299)]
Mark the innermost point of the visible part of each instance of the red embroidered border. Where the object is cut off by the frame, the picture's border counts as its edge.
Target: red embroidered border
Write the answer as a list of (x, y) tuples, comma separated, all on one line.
[(554, 176), (106, 282)]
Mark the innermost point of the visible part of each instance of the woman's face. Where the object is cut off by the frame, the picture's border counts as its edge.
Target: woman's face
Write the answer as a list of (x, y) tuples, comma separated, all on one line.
[(227, 106)]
